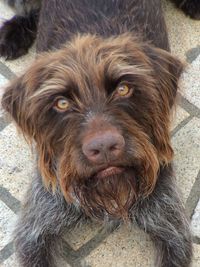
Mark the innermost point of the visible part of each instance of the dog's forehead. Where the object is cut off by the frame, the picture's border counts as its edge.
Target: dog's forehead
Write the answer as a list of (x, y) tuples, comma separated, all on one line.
[(92, 78), (87, 63)]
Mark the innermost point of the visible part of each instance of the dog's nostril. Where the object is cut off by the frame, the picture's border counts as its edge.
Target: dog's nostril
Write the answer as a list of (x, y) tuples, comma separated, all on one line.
[(95, 152), (113, 147)]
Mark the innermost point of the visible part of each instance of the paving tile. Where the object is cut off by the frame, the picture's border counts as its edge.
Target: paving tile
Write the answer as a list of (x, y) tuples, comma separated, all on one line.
[(195, 223), (81, 235), (16, 162), (196, 260), (7, 219), (13, 262), (10, 262), (6, 12), (3, 82), (61, 263), (125, 247), (193, 53), (186, 143), (190, 82), (21, 64), (178, 116), (184, 33), (17, 66), (6, 72)]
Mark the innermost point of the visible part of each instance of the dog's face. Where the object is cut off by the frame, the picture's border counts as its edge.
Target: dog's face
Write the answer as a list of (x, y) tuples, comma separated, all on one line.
[(99, 112)]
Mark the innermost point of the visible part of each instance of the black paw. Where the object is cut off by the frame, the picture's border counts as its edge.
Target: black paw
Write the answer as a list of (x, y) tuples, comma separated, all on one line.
[(16, 36), (189, 7)]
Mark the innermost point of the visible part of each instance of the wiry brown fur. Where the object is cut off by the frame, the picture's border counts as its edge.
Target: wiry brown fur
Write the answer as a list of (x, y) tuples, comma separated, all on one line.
[(108, 156), (148, 70)]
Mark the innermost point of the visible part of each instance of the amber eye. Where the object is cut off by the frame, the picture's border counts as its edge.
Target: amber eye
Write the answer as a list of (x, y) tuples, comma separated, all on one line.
[(123, 90), (61, 104)]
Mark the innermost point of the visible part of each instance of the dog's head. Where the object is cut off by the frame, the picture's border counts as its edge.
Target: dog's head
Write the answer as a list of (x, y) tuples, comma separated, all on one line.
[(99, 112)]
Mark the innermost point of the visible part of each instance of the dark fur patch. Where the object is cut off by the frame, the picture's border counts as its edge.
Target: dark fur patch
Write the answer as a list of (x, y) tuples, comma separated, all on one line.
[(17, 35), (190, 7)]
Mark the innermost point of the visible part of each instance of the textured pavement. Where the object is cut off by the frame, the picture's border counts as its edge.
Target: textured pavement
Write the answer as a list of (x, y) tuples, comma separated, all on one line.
[(93, 246)]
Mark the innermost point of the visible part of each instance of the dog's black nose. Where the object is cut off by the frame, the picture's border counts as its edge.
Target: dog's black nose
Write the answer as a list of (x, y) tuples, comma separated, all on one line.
[(104, 146)]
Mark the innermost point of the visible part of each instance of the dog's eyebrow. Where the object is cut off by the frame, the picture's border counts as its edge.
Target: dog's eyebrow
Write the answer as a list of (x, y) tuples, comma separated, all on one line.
[(139, 70), (52, 86), (127, 73), (58, 85)]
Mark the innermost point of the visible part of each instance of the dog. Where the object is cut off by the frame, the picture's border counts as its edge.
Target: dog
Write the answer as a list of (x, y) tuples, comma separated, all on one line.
[(18, 34), (96, 103), (190, 7)]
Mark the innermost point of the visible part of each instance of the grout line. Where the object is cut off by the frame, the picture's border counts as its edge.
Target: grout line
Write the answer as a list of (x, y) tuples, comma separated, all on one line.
[(192, 54), (6, 72), (3, 123), (9, 200), (6, 252), (189, 107), (193, 197), (181, 125), (74, 257), (96, 240), (5, 119), (196, 240), (69, 249), (70, 255)]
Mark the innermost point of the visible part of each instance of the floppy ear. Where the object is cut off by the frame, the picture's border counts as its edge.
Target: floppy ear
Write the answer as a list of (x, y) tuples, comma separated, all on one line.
[(13, 101), (16, 101), (166, 73), (16, 98)]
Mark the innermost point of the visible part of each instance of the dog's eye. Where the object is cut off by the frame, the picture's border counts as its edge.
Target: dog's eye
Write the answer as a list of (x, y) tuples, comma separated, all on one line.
[(124, 90), (61, 104)]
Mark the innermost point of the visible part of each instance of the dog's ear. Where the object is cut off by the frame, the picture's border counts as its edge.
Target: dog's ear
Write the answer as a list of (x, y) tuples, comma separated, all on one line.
[(16, 98), (17, 101), (13, 100), (166, 71)]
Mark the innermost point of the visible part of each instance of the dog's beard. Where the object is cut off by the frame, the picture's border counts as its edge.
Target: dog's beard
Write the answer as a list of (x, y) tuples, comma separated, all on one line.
[(111, 196)]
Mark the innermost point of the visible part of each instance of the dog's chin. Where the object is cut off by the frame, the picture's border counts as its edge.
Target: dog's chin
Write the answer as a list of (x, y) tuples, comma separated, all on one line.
[(109, 192)]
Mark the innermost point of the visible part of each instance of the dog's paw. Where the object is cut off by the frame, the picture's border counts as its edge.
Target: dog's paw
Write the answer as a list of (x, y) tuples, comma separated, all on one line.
[(194, 14), (15, 38)]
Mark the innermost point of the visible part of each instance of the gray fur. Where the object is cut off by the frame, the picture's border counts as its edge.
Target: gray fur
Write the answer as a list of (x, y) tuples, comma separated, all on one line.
[(162, 216), (23, 7), (45, 216)]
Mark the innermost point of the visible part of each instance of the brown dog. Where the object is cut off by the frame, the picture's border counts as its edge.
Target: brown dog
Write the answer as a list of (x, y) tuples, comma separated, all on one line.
[(98, 109)]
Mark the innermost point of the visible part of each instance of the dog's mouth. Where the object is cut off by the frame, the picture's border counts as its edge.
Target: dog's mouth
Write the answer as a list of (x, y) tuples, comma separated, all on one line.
[(109, 171)]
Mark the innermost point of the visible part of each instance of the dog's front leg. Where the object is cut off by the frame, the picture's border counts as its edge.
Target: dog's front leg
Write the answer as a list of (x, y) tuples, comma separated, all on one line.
[(162, 216), (42, 220)]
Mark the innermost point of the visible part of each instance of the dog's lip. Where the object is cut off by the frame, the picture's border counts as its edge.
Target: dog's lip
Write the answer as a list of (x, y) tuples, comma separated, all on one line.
[(111, 170)]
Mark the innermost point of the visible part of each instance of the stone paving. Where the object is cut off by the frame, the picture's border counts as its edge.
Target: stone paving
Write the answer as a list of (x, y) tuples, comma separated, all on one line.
[(93, 246)]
